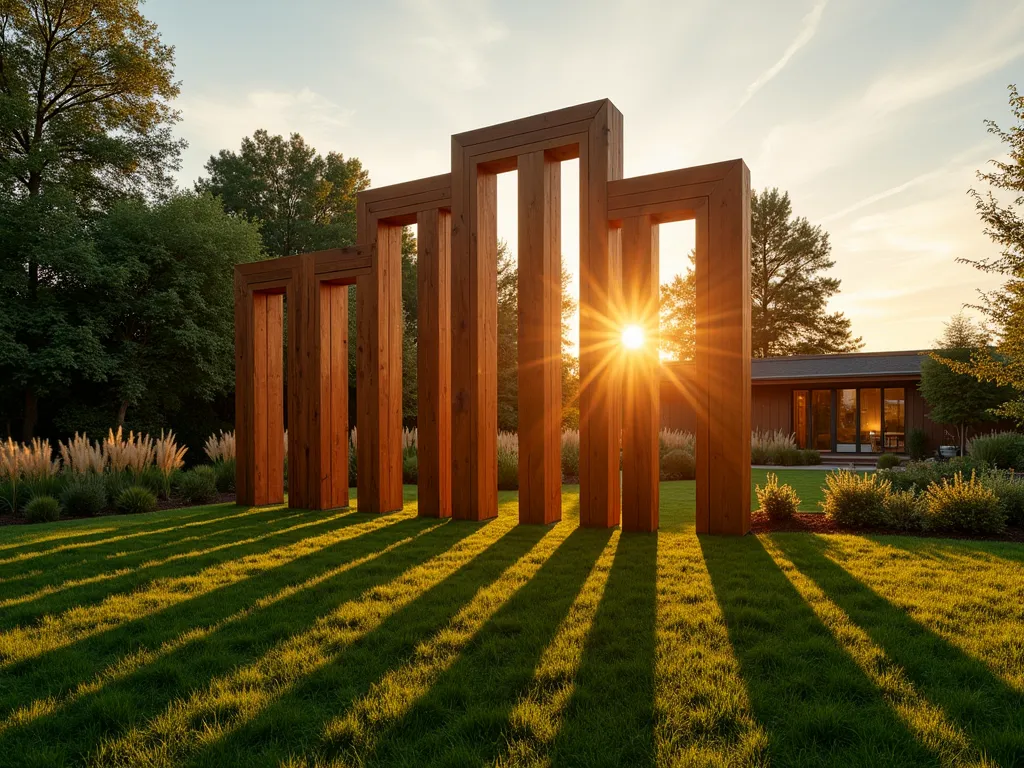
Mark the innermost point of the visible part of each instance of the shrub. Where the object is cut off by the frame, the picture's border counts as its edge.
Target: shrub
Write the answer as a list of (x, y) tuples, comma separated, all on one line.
[(410, 468), (778, 448), (84, 495), (904, 511), (1010, 492), (42, 485), (855, 500), (571, 453), (135, 500), (809, 457), (963, 505), (888, 461), (779, 502), (198, 485), (42, 509), (918, 475), (508, 461), (917, 444), (677, 464), (116, 483), (999, 449), (149, 477), (225, 471)]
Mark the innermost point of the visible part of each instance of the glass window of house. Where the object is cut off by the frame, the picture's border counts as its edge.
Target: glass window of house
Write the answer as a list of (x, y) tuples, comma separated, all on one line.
[(821, 419), (871, 420), (800, 401), (895, 419), (846, 421)]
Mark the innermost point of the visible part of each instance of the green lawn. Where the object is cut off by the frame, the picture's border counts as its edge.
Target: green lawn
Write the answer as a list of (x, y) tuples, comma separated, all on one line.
[(225, 636)]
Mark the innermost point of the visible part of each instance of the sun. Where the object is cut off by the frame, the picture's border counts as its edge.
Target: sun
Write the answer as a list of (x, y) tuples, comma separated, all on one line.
[(633, 337)]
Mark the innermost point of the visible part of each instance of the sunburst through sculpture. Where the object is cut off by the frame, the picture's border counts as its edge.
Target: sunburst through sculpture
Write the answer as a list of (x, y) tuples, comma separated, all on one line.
[(456, 218)]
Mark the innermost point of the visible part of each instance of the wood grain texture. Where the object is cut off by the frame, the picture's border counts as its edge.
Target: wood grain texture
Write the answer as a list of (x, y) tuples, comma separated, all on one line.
[(379, 373), (540, 337), (600, 325), (434, 363), (727, 356), (259, 397), (641, 419), (474, 341)]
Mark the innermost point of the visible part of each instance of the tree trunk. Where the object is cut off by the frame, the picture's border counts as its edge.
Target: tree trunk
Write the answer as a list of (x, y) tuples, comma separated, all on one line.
[(28, 426), (121, 413)]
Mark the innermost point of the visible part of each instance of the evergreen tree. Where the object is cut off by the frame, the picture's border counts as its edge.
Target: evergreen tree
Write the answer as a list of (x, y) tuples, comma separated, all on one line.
[(787, 288), (956, 398)]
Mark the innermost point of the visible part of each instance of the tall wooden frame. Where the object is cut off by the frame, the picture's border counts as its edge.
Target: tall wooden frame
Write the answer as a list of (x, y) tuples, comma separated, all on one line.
[(456, 216), (717, 196)]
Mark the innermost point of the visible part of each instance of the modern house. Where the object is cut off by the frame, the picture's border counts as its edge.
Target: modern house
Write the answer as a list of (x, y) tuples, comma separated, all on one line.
[(858, 403)]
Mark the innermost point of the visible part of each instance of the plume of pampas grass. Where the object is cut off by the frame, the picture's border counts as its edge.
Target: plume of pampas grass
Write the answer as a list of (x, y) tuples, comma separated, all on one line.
[(221, 446), (80, 455), (37, 460), (169, 457), (115, 451), (140, 452)]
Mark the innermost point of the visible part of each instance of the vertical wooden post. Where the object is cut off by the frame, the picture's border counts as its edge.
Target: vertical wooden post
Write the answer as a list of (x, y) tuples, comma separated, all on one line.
[(474, 340), (331, 474), (379, 375), (640, 466), (434, 363), (540, 339), (259, 400), (726, 357), (600, 274)]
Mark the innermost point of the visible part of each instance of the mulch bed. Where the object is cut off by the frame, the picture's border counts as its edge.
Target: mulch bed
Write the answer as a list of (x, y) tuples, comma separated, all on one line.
[(161, 504), (816, 522)]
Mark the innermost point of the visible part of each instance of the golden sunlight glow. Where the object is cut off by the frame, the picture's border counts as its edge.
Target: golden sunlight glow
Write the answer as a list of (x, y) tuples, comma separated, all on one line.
[(633, 337)]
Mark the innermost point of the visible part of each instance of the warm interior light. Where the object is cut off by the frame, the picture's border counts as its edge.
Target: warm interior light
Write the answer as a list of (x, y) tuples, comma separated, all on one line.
[(633, 337)]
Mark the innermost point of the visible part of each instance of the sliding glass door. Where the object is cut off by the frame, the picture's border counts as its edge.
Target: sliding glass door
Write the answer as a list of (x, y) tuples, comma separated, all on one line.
[(851, 420), (821, 419)]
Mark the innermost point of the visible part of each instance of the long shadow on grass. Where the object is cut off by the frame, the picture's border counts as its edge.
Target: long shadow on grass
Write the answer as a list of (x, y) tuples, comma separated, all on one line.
[(232, 545), (609, 719), (817, 706), (78, 728), (101, 527), (969, 693), (64, 557), (295, 722), (464, 718), (60, 671)]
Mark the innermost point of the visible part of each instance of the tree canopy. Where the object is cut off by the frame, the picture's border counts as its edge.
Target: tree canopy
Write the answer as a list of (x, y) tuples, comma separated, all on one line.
[(788, 291), (302, 201), (1003, 219), (85, 120), (956, 398)]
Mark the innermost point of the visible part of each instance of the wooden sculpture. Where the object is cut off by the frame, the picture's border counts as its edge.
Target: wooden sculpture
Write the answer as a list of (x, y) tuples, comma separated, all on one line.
[(456, 218)]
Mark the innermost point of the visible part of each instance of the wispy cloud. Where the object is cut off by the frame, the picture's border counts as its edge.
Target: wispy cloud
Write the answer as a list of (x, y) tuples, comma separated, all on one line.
[(808, 28), (843, 133)]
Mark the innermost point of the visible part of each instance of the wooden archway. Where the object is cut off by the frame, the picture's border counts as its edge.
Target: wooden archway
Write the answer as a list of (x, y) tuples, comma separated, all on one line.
[(456, 215)]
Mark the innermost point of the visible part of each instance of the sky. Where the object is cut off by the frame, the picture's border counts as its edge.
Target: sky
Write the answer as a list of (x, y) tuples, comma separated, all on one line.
[(870, 113)]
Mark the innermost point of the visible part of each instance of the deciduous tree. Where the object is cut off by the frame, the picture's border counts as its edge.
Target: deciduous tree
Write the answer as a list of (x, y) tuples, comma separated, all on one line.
[(85, 118), (302, 201), (1003, 218)]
